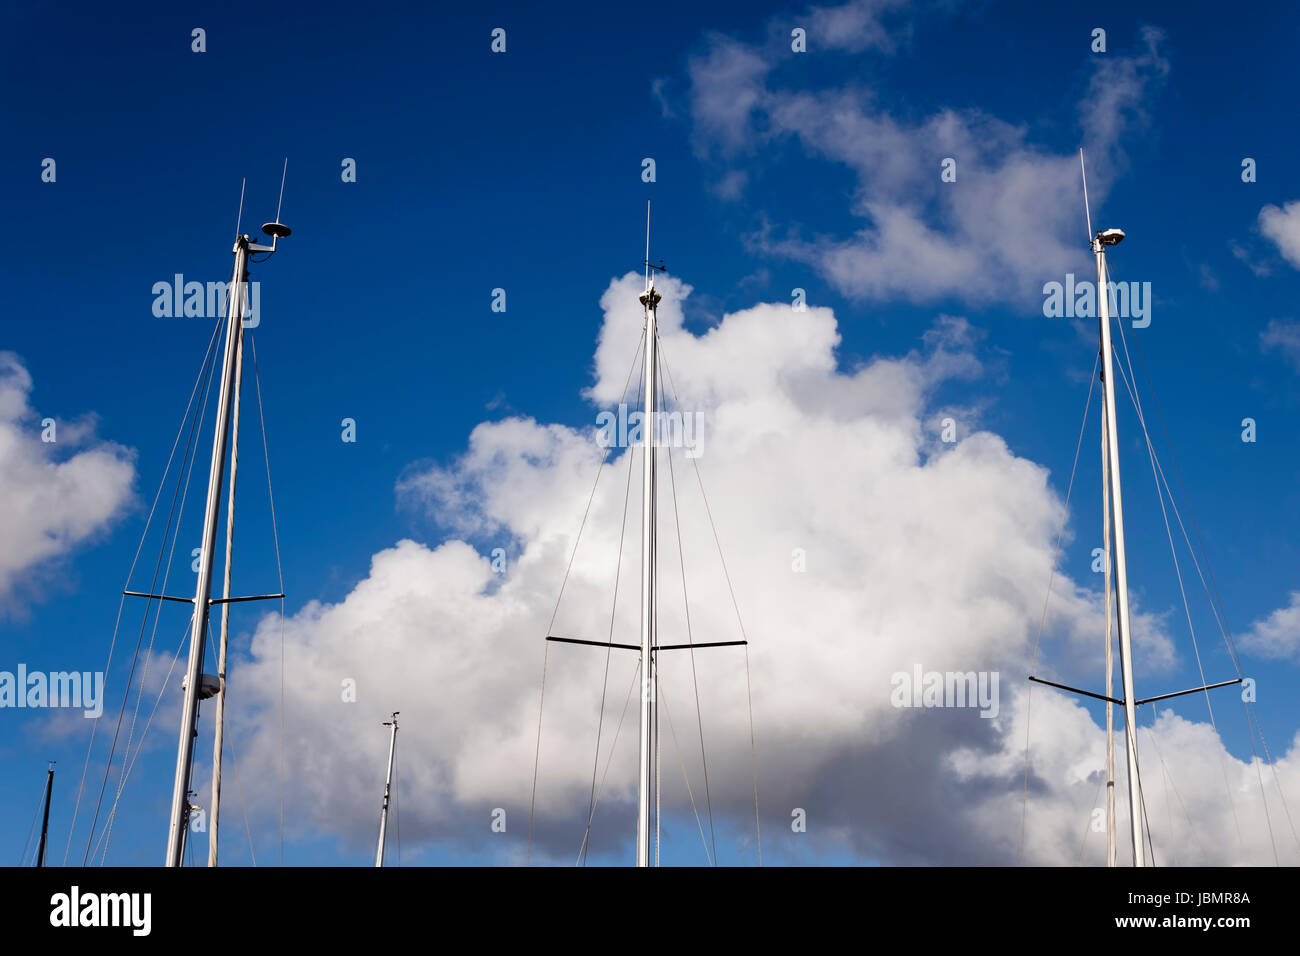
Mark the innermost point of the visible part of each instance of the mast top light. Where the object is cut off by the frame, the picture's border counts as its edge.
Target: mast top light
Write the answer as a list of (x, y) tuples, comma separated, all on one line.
[(1110, 237)]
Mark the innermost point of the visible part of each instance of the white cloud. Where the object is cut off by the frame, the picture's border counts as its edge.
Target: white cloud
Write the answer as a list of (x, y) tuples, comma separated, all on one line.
[(54, 496), (917, 552), (1010, 222), (853, 27), (1278, 635), (1282, 226), (1283, 335)]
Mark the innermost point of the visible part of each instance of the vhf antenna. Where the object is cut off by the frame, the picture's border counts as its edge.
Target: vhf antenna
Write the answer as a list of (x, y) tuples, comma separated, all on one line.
[(646, 261), (1087, 211), (276, 230)]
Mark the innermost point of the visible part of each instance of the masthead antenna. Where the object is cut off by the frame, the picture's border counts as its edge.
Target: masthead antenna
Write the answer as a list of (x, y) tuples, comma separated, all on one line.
[(647, 243), (1086, 211), (276, 230), (283, 174), (239, 216), (650, 266)]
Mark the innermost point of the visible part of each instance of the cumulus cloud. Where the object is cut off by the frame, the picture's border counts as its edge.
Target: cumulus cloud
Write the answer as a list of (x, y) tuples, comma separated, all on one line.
[(54, 496), (1011, 220), (1282, 226), (914, 553), (1278, 634)]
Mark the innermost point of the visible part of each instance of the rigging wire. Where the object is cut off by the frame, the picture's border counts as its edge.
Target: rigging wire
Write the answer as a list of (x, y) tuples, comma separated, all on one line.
[(1210, 592), (1212, 588), (753, 753), (604, 688), (174, 533), (1042, 624), (183, 474), (546, 652), (1146, 820), (1087, 827), (1162, 488), (228, 739), (279, 566), (106, 834), (27, 845), (595, 760), (1160, 493), (171, 556), (690, 638), (122, 601), (1172, 783), (1254, 712), (239, 786), (610, 757), (712, 861)]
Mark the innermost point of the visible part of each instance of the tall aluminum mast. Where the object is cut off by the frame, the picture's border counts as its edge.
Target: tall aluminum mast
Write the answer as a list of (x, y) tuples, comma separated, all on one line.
[(650, 299), (1110, 237), (203, 590)]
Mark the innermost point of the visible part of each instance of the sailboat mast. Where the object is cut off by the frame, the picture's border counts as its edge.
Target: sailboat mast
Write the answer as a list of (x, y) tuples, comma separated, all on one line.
[(1111, 854), (203, 589), (219, 718), (1110, 237), (650, 300), (388, 787), (45, 822)]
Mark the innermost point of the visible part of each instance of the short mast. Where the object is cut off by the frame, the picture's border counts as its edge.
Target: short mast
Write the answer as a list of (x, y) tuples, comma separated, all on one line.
[(180, 809), (1110, 237), (388, 788), (650, 300)]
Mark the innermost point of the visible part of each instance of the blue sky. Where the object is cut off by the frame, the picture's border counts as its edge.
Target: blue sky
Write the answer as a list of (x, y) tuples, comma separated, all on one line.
[(522, 171)]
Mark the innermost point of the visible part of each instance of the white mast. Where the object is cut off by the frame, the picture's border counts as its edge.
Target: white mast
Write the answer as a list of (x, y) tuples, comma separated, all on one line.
[(219, 718), (203, 590), (1110, 237), (1105, 521), (650, 299), (388, 787), (1111, 856)]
